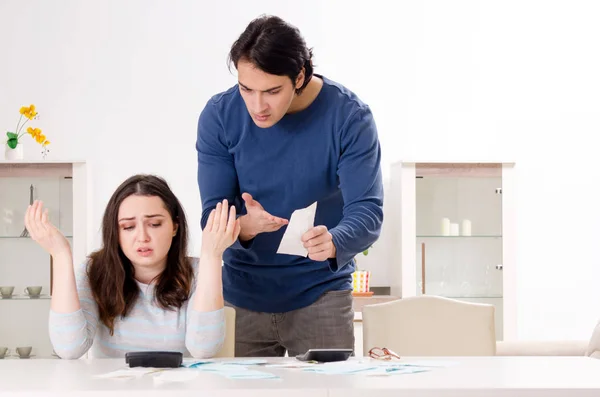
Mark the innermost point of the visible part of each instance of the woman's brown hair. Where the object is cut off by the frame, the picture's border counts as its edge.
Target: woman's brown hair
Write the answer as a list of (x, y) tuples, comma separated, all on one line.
[(111, 273)]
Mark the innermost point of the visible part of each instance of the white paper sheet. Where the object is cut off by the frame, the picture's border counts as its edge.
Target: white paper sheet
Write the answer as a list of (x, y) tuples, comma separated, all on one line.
[(193, 362), (292, 364), (430, 363), (178, 375), (300, 222), (246, 361), (360, 368), (128, 373), (235, 369)]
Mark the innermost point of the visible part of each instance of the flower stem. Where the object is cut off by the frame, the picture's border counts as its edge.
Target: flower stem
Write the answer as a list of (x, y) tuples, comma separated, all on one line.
[(19, 136), (18, 122)]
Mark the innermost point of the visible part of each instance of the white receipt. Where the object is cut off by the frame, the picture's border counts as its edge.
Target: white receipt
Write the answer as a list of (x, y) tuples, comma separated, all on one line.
[(300, 222)]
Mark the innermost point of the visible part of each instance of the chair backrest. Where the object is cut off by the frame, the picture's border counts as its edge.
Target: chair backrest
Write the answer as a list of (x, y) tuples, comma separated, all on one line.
[(228, 349), (593, 349), (430, 326)]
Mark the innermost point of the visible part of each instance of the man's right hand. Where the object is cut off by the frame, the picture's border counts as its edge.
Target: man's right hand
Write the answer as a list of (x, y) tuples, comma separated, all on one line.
[(257, 220)]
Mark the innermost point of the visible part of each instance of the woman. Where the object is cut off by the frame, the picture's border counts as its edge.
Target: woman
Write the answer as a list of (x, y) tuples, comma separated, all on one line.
[(139, 291)]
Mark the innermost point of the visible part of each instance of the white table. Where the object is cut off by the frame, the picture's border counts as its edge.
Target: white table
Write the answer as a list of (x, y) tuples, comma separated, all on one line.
[(472, 376)]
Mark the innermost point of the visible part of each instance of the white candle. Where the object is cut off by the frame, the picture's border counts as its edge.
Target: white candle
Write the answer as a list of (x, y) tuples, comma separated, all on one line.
[(454, 229), (466, 227), (445, 227)]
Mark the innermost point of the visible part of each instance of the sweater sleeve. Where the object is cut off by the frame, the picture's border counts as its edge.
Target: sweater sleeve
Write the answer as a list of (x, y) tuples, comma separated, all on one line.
[(359, 172), (217, 177), (72, 334), (205, 332)]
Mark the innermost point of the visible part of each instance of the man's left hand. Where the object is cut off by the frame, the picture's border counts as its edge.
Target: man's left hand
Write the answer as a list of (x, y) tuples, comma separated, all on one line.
[(319, 243)]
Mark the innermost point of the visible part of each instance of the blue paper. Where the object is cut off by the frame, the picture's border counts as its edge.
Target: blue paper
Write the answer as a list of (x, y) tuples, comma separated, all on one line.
[(348, 368), (234, 369)]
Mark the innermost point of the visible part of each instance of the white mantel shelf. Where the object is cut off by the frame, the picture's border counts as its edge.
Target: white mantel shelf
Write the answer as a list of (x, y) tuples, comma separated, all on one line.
[(41, 161), (29, 168)]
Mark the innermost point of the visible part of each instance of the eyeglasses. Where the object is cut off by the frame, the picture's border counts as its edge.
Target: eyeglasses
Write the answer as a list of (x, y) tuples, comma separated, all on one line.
[(382, 354)]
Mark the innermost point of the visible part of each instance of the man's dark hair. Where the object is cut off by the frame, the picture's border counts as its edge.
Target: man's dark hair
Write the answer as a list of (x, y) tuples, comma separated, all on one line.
[(275, 47)]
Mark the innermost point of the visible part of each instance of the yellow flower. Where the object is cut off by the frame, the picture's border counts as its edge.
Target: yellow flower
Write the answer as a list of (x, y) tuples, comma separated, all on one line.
[(34, 132), (28, 112)]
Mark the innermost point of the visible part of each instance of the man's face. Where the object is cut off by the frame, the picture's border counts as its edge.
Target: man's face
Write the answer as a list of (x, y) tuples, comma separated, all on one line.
[(267, 96)]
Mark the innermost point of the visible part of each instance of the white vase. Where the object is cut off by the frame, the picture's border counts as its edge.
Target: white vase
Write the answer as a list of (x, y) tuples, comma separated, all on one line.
[(13, 154)]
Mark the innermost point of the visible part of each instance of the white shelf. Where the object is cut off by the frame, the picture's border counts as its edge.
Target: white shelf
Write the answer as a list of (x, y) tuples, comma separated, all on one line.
[(473, 296), (25, 297), (22, 238), (42, 162), (457, 237), (32, 357)]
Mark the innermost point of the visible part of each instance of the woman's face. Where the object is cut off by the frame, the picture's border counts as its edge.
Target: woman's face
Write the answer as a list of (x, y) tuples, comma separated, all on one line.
[(146, 231)]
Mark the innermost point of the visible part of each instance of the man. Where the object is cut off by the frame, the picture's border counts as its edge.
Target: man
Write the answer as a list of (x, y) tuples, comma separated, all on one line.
[(281, 140)]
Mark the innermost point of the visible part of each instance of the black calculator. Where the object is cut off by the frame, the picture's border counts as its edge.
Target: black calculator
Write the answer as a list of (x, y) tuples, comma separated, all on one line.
[(154, 359), (325, 355)]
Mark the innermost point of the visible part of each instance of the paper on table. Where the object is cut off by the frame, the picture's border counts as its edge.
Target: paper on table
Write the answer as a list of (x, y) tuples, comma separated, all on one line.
[(430, 363), (300, 222), (189, 362), (130, 373), (341, 368), (218, 367), (194, 363), (291, 364), (249, 374), (375, 369), (389, 371), (178, 375), (246, 361), (231, 370)]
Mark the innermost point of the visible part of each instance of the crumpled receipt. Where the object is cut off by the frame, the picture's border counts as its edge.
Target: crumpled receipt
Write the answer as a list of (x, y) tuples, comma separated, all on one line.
[(300, 222)]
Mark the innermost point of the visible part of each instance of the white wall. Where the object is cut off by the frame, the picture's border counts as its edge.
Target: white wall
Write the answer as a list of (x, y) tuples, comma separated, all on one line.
[(121, 84)]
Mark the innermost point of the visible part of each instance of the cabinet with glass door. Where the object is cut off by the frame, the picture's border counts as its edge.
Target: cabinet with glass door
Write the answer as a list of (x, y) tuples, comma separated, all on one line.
[(459, 233), (25, 268)]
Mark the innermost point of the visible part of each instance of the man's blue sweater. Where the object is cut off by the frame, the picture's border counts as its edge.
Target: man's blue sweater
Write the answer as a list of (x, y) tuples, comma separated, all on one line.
[(328, 153)]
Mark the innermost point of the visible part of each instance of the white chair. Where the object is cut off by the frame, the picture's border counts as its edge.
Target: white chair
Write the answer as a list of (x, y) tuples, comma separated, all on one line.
[(430, 326), (541, 348), (593, 349)]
